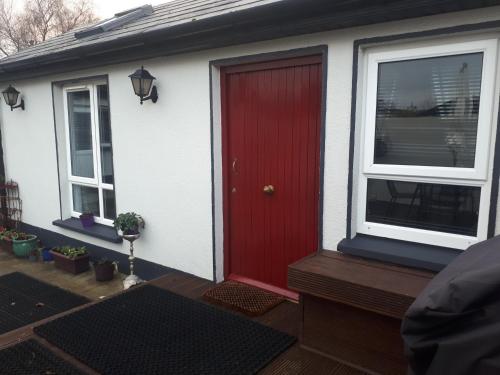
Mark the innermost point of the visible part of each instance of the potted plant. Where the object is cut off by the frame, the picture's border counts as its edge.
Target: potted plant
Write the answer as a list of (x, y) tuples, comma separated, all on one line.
[(87, 219), (129, 223), (104, 269), (6, 239), (23, 244), (71, 259)]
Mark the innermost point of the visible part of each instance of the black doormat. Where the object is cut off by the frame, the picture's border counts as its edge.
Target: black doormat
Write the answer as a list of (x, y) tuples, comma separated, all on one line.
[(244, 298), (153, 331), (31, 358), (25, 300)]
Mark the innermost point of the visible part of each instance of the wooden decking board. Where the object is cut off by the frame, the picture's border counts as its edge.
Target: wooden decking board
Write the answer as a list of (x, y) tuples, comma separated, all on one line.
[(367, 273), (370, 285), (297, 361)]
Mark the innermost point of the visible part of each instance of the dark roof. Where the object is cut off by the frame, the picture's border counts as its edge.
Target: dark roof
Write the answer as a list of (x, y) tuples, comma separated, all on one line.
[(164, 16), (189, 25)]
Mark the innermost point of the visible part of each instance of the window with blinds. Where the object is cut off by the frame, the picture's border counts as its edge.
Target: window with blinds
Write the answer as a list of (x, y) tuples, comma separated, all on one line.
[(425, 160), (427, 111)]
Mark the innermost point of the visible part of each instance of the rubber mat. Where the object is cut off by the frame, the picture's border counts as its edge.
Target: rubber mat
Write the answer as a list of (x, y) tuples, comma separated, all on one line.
[(25, 300), (244, 298), (149, 330), (30, 358)]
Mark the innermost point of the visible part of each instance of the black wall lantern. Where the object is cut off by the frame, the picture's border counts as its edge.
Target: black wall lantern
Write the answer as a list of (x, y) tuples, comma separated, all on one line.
[(10, 95), (142, 82)]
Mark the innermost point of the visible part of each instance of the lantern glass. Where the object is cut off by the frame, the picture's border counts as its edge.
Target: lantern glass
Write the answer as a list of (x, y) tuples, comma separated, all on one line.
[(136, 84), (142, 81), (10, 96), (146, 85)]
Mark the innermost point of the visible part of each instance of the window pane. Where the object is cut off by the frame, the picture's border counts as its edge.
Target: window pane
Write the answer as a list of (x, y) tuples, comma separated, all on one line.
[(80, 134), (443, 208), (427, 111), (109, 204), (86, 199), (105, 134)]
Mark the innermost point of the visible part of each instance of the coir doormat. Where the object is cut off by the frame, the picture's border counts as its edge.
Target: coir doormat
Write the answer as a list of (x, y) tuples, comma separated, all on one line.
[(244, 298), (25, 300), (153, 331), (30, 358)]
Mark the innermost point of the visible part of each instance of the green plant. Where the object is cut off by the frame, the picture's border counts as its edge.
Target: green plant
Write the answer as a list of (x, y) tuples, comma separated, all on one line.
[(102, 261), (9, 235), (129, 223), (71, 252), (20, 236)]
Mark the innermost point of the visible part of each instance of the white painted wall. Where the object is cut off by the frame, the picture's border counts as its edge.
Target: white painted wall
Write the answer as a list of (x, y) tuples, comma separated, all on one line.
[(162, 151)]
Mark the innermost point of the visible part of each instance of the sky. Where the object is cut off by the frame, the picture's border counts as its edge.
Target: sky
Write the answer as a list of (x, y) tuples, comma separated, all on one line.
[(107, 8)]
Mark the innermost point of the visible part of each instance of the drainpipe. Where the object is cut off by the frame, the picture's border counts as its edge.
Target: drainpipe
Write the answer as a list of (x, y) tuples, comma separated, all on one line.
[(3, 192)]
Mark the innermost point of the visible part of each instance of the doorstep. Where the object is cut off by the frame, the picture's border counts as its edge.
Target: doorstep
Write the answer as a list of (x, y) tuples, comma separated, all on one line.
[(352, 308)]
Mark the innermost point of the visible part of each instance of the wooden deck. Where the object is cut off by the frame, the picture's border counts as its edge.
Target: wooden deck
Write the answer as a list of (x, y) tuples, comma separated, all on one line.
[(83, 284), (284, 317)]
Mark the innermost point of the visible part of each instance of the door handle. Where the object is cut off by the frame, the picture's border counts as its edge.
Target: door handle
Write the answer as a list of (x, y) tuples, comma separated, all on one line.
[(268, 189)]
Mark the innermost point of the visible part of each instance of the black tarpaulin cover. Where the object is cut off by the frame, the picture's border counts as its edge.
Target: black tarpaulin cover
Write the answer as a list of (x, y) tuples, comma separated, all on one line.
[(453, 327)]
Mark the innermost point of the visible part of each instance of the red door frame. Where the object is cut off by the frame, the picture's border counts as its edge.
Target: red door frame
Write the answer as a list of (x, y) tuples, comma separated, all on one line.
[(252, 66)]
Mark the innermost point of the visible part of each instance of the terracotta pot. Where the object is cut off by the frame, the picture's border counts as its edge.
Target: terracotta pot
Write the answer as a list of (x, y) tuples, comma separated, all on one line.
[(104, 271), (73, 265)]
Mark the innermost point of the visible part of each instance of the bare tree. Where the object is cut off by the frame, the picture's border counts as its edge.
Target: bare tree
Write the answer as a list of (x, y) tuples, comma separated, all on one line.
[(40, 20)]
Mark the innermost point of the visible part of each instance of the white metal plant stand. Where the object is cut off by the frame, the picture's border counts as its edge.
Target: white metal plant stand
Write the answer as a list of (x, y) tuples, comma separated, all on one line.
[(132, 279)]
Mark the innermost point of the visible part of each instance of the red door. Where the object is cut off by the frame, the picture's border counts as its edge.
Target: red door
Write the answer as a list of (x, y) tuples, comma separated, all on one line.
[(271, 145)]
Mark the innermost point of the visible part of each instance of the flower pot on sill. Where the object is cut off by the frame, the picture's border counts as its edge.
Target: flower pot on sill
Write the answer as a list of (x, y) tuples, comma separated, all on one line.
[(72, 265), (104, 271), (87, 220), (23, 248)]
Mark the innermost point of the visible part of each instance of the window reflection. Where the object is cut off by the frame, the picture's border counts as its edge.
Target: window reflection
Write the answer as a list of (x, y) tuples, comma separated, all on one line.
[(427, 111), (443, 208)]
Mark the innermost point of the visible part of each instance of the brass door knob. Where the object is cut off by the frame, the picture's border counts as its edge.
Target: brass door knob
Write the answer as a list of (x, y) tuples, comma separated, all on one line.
[(269, 189)]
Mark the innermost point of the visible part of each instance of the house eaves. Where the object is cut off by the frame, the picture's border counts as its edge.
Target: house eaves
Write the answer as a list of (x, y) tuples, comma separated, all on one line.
[(187, 26)]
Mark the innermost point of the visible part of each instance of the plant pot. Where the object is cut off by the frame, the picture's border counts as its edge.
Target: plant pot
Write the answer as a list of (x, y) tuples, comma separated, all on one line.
[(33, 257), (47, 255), (87, 220), (7, 246), (72, 265), (23, 248), (104, 271)]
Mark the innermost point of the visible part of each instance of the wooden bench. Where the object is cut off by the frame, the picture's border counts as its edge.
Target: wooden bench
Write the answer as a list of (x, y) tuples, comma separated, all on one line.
[(352, 308)]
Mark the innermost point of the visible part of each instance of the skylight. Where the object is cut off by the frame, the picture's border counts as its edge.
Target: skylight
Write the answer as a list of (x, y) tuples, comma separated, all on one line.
[(118, 20)]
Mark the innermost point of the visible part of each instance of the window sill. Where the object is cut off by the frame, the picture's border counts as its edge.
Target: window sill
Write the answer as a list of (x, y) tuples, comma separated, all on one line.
[(103, 232), (410, 254)]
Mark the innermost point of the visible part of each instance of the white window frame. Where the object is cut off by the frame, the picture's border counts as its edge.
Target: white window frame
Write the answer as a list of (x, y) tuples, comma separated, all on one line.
[(96, 181), (476, 176)]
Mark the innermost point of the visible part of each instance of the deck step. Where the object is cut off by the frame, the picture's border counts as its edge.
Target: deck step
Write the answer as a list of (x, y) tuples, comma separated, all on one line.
[(352, 308)]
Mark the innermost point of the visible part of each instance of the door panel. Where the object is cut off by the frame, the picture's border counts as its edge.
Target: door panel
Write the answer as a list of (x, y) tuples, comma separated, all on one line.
[(271, 125)]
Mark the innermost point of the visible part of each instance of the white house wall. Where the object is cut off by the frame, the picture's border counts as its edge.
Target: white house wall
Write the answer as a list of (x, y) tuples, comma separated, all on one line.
[(162, 151)]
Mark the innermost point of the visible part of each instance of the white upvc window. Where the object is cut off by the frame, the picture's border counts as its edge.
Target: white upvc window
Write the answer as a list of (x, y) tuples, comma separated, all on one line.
[(425, 149), (89, 151)]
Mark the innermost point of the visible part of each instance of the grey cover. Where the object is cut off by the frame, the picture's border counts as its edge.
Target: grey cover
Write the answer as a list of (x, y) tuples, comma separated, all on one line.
[(453, 327)]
